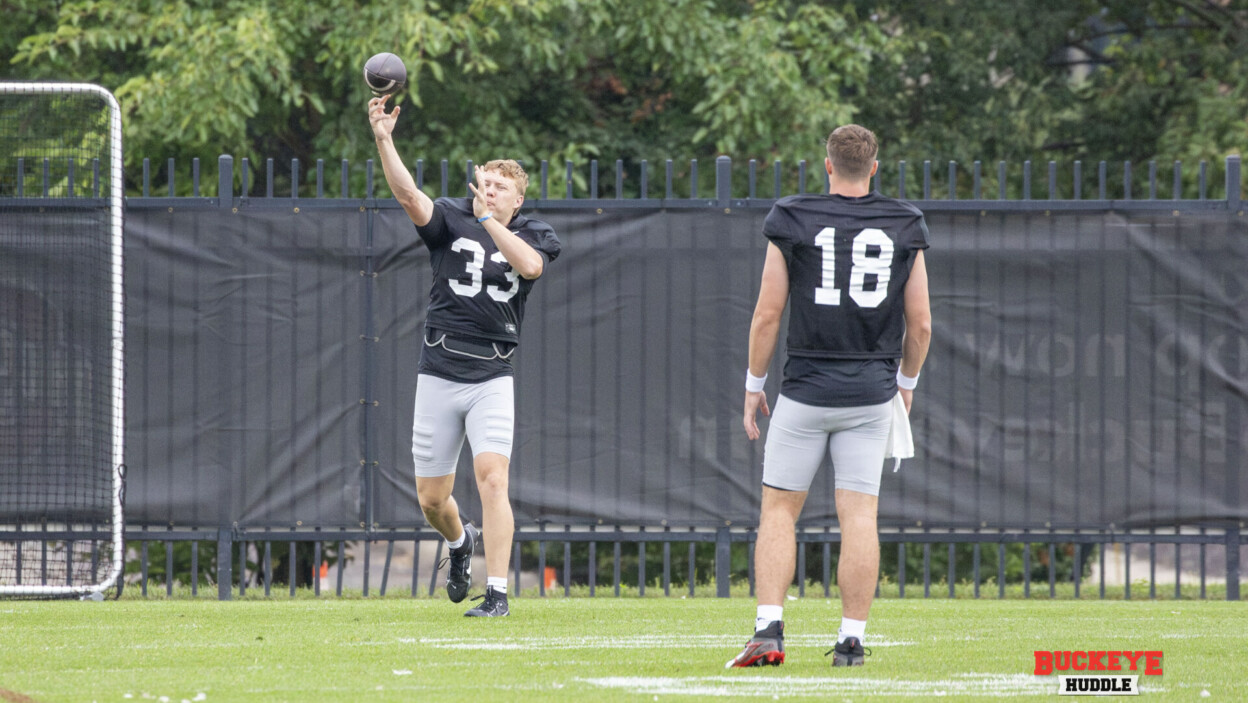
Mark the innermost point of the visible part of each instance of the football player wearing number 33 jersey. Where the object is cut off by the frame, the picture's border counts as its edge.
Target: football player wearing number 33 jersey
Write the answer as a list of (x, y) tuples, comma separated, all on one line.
[(849, 264), (486, 257)]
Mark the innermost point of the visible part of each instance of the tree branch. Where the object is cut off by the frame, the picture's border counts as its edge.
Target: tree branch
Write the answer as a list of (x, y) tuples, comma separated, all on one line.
[(1159, 27), (1199, 12), (1237, 18)]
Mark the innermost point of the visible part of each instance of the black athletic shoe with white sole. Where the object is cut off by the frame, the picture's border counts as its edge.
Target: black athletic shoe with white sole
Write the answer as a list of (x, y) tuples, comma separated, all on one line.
[(495, 605), (848, 653), (765, 647), (459, 577)]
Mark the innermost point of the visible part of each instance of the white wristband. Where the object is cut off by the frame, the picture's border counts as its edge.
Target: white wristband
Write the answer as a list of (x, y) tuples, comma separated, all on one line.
[(754, 384), (906, 383)]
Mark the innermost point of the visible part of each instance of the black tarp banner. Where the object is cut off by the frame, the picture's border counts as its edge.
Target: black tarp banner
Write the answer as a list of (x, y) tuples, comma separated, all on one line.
[(1087, 369)]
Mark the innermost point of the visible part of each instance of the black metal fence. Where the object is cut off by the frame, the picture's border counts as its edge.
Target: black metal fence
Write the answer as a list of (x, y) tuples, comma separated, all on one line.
[(234, 569), (1220, 534)]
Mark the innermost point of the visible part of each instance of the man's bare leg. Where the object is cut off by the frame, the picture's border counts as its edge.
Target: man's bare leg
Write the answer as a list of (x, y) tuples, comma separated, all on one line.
[(858, 570), (775, 554), (497, 522), (439, 506), (775, 551)]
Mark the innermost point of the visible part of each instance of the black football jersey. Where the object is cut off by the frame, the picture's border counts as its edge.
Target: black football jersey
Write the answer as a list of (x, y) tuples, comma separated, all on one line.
[(848, 260), (475, 292)]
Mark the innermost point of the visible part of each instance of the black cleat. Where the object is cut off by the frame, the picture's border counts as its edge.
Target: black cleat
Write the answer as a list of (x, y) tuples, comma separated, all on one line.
[(459, 577), (848, 653), (495, 605), (765, 647)]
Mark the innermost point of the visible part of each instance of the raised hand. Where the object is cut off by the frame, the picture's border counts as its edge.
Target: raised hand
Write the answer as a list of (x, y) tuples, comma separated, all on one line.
[(382, 123), (479, 204)]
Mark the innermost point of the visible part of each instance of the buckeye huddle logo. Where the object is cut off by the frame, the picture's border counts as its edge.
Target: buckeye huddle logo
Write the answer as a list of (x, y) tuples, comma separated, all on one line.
[(1096, 669)]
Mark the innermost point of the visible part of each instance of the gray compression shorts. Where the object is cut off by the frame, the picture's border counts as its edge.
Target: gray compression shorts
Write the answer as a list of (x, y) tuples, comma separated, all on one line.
[(799, 436), (446, 411)]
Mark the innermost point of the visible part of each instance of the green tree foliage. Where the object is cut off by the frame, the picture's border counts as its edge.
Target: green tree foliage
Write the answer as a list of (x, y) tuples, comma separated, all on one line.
[(542, 79), (1110, 80), (655, 79)]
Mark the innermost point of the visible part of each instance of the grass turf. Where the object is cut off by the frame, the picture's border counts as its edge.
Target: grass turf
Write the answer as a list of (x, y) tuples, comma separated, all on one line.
[(581, 649)]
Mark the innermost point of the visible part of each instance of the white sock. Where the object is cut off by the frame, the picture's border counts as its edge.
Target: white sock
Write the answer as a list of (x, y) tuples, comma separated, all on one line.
[(498, 583), (459, 542), (852, 628), (768, 614)]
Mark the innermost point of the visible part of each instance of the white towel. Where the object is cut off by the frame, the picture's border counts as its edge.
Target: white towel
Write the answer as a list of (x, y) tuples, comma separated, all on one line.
[(900, 440)]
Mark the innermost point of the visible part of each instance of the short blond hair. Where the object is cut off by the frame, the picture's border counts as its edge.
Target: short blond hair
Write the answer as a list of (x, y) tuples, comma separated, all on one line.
[(510, 169), (852, 150)]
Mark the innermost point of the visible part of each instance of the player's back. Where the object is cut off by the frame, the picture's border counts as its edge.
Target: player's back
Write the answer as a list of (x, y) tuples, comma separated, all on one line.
[(848, 262)]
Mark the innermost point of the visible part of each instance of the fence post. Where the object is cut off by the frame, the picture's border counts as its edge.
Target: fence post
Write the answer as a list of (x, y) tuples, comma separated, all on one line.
[(225, 182), (1232, 562), (723, 562), (368, 398), (1233, 183), (723, 181), (225, 575)]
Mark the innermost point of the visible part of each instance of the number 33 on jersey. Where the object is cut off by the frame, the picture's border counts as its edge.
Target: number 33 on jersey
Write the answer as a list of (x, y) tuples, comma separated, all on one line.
[(474, 269), (848, 262), (475, 292)]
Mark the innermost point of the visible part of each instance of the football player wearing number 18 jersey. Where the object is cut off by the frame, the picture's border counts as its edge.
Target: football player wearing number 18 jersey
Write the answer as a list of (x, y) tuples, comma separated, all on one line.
[(486, 257), (850, 266)]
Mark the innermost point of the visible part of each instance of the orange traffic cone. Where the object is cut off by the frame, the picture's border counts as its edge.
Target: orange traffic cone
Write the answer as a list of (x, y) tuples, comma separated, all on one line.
[(551, 581)]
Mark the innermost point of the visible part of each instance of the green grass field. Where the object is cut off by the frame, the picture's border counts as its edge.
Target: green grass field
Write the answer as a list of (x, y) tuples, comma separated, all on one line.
[(582, 649)]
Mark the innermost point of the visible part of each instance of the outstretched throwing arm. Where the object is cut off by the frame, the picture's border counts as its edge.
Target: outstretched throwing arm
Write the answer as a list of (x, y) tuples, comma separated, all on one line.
[(417, 205)]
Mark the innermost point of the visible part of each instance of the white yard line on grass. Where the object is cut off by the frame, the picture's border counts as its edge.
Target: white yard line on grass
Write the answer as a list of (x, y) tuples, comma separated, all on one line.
[(629, 642), (988, 685)]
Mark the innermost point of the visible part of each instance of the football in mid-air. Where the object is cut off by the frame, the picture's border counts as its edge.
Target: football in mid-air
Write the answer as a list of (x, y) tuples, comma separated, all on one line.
[(385, 74)]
